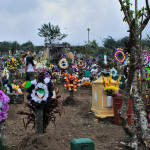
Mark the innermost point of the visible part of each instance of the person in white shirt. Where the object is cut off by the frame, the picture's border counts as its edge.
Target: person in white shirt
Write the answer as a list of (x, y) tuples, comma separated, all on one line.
[(30, 68)]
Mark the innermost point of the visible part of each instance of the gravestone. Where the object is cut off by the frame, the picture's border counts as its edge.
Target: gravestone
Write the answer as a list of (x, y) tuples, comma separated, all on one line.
[(16, 98)]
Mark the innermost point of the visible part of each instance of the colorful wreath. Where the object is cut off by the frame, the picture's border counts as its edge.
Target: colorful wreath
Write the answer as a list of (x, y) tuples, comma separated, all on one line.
[(40, 92), (119, 55), (147, 70), (80, 63), (63, 64), (4, 107), (146, 58)]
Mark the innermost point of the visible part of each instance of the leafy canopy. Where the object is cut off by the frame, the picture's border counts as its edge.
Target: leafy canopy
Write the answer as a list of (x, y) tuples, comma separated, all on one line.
[(51, 33)]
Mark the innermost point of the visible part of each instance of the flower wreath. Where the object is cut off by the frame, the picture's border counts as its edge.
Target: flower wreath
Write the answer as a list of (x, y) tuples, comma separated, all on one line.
[(63, 64), (146, 58), (40, 92), (80, 63), (119, 55), (4, 107)]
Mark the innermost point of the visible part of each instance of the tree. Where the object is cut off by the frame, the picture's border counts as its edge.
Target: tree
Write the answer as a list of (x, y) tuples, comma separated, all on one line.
[(110, 43), (121, 42), (5, 46), (51, 33), (137, 21), (93, 48), (28, 46)]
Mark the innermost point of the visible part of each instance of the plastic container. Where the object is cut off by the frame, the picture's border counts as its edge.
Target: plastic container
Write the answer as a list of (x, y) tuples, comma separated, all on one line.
[(82, 144), (87, 73), (117, 104)]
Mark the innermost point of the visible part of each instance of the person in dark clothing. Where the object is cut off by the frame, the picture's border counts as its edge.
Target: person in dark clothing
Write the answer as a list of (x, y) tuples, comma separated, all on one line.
[(30, 67)]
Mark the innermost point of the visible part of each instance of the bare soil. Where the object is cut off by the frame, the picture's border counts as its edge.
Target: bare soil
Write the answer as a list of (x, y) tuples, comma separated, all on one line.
[(76, 121)]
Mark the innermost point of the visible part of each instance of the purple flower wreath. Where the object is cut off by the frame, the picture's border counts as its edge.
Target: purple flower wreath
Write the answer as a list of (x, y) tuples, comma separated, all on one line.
[(4, 100), (146, 58)]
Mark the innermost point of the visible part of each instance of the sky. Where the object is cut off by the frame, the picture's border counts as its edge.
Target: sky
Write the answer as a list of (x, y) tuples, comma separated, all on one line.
[(20, 20)]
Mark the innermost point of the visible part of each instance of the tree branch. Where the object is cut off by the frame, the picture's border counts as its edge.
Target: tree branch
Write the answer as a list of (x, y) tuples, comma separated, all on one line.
[(143, 24), (136, 9), (125, 13), (147, 6), (128, 9)]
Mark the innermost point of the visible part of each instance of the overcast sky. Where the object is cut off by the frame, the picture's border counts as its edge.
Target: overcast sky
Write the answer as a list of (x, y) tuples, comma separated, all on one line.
[(20, 20)]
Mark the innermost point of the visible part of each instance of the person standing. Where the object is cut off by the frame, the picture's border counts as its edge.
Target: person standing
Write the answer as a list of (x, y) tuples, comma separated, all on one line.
[(30, 67)]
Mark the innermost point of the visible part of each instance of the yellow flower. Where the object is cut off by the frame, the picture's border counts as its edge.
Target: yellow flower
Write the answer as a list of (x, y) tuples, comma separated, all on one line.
[(12, 59)]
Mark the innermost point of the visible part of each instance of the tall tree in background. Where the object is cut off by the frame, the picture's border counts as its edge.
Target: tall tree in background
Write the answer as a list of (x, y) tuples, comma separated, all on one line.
[(137, 20), (110, 43), (28, 46), (51, 33)]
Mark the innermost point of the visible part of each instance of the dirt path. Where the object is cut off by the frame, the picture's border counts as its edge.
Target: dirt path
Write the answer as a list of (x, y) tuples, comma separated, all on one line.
[(77, 121)]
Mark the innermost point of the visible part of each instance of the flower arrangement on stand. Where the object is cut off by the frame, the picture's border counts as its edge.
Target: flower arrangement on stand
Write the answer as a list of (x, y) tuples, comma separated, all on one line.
[(71, 82), (110, 90), (43, 103)]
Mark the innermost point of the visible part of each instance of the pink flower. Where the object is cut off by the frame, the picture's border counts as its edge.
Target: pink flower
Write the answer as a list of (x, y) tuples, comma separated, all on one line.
[(14, 81)]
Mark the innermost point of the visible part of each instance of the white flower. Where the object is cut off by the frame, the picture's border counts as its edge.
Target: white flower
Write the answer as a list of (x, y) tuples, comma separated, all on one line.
[(35, 97), (34, 82), (39, 85), (46, 80)]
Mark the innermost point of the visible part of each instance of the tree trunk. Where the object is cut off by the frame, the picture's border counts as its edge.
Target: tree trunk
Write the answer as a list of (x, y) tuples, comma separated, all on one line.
[(139, 133)]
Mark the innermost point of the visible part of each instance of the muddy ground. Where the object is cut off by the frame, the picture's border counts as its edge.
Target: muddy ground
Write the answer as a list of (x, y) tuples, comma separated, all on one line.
[(76, 121)]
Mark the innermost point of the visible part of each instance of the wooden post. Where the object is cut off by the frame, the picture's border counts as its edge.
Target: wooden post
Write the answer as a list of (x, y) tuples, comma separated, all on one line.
[(39, 128), (71, 93), (2, 131)]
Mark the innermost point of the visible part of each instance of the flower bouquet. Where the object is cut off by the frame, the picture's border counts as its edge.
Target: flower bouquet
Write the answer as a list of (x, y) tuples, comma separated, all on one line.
[(110, 90), (3, 105)]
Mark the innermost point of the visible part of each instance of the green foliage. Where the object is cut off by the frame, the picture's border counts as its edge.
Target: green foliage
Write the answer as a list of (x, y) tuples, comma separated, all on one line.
[(28, 46), (3, 147), (51, 33), (109, 64), (110, 43)]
